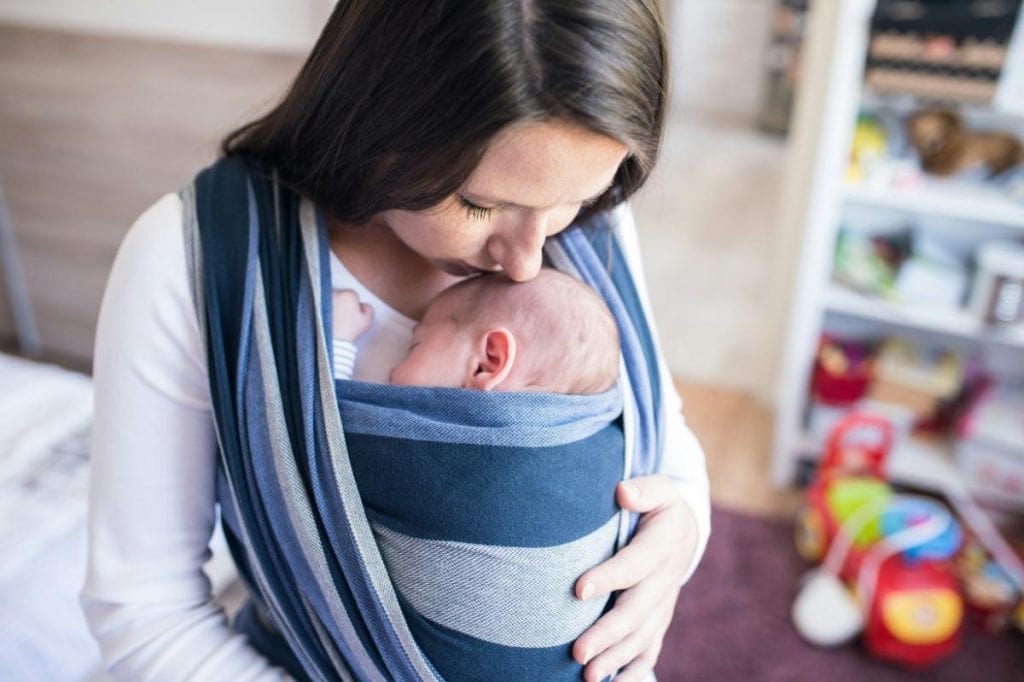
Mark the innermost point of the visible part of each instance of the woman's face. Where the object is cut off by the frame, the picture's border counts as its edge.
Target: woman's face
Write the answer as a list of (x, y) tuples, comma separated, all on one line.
[(529, 185)]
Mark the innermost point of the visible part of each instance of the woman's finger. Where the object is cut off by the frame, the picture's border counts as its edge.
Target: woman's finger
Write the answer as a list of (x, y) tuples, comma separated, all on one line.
[(646, 553), (641, 666), (634, 612), (647, 493), (644, 642), (648, 571), (629, 566)]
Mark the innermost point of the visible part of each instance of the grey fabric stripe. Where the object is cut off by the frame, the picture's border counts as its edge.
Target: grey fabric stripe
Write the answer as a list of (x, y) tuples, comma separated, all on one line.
[(513, 596), (258, 353), (193, 256), (344, 477), (299, 506)]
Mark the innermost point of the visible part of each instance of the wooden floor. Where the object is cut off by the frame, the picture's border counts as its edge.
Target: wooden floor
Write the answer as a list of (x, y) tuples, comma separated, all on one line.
[(735, 430), (93, 130)]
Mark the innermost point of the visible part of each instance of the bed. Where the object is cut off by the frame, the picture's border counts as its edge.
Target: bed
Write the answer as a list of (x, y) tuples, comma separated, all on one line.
[(45, 417)]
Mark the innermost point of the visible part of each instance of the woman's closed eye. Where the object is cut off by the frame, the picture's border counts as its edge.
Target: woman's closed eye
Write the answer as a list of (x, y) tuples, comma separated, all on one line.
[(474, 210), (478, 212)]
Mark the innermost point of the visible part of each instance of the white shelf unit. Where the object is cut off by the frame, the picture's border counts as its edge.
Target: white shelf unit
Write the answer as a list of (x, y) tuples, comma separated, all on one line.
[(947, 199), (953, 323), (816, 200)]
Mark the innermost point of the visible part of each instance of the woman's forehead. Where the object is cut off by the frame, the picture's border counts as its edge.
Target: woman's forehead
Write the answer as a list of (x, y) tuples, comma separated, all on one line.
[(545, 164)]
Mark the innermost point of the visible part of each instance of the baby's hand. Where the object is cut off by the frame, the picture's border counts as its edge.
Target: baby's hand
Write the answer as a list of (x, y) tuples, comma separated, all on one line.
[(351, 318)]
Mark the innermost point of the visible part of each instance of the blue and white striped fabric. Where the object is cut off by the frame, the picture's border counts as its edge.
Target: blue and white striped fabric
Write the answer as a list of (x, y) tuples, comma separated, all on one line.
[(395, 532)]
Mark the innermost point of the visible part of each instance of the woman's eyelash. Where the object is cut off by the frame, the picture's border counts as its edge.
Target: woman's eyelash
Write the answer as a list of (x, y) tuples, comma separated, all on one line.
[(474, 211)]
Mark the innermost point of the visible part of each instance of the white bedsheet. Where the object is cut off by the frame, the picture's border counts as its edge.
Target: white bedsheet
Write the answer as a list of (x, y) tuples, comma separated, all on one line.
[(45, 414)]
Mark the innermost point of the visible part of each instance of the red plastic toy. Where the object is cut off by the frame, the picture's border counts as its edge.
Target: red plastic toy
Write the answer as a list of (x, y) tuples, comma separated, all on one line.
[(916, 613), (915, 607)]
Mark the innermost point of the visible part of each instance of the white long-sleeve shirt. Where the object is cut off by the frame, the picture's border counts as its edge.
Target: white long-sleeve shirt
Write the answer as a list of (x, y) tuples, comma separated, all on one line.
[(154, 453)]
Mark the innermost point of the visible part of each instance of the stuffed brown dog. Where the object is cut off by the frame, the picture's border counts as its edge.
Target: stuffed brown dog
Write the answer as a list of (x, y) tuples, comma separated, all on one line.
[(946, 147)]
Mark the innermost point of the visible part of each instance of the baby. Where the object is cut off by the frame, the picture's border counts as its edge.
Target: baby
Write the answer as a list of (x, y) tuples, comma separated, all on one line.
[(551, 334)]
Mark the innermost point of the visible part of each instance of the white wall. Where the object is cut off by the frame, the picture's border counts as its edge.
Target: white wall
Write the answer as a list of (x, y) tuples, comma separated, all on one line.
[(287, 25), (718, 55)]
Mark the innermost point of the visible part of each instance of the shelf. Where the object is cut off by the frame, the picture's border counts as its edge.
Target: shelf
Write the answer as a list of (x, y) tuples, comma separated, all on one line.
[(957, 323), (944, 198), (905, 104), (928, 464)]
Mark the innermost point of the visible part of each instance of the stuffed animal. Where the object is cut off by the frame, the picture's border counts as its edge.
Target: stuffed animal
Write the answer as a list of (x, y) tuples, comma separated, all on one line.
[(946, 147)]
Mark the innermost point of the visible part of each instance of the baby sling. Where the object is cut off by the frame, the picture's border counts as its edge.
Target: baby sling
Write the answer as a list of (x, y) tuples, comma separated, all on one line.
[(393, 532)]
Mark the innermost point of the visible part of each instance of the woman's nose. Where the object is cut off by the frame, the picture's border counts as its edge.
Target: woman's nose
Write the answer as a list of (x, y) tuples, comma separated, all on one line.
[(519, 252)]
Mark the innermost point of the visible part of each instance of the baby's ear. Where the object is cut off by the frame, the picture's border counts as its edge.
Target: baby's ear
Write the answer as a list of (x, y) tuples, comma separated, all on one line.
[(495, 356)]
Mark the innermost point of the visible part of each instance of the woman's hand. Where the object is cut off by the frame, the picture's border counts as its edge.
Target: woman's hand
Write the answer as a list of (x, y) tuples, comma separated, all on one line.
[(648, 571)]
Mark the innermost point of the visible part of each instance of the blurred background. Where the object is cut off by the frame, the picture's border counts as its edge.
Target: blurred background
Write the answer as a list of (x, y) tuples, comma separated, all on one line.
[(833, 247)]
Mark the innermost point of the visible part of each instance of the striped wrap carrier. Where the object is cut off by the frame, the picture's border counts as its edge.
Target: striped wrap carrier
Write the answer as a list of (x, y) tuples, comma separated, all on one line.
[(395, 532)]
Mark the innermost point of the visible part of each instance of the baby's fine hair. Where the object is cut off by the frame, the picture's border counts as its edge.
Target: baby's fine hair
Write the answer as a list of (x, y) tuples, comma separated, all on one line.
[(568, 341)]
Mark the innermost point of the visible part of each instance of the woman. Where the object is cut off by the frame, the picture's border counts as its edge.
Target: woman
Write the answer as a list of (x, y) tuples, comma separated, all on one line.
[(441, 139)]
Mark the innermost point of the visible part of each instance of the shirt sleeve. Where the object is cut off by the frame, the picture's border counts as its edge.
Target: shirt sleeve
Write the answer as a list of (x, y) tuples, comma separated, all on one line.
[(344, 358), (151, 495), (683, 459)]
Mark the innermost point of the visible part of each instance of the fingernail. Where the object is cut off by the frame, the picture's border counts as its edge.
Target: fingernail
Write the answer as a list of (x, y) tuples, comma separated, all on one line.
[(587, 593)]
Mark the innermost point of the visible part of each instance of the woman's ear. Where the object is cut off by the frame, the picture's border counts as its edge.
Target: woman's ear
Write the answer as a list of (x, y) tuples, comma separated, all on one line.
[(495, 356)]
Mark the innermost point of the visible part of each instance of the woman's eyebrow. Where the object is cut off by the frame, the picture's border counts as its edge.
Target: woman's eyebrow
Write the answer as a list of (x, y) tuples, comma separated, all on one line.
[(498, 203)]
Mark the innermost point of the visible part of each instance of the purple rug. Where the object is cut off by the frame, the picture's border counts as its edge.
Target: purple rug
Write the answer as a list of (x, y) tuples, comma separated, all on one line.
[(732, 621)]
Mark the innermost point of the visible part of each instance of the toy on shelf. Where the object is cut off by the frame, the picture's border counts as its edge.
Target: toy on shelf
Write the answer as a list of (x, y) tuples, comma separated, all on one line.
[(842, 371), (933, 274), (920, 387), (869, 263), (946, 147), (946, 50), (990, 441), (869, 148), (998, 293), (916, 376)]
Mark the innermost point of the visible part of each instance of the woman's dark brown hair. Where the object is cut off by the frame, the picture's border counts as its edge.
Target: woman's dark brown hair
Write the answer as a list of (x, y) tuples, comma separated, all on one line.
[(398, 100)]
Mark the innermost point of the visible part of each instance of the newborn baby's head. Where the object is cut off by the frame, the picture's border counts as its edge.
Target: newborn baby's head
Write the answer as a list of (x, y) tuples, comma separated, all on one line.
[(551, 334)]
